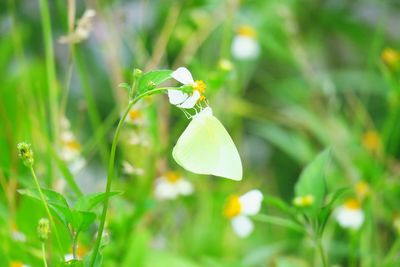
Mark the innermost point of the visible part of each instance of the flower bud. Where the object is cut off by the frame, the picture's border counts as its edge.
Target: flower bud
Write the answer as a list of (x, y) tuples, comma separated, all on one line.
[(43, 229), (25, 153), (137, 73)]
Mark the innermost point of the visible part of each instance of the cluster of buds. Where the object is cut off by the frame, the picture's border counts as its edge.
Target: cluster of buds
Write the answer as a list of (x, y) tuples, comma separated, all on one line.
[(25, 153), (43, 229)]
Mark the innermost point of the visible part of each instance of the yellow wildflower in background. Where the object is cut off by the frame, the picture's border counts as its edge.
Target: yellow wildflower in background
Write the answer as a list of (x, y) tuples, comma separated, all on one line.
[(371, 141), (390, 57), (303, 201), (362, 189)]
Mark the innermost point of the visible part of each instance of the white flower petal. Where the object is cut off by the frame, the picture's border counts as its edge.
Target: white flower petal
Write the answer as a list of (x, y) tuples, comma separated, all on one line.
[(184, 187), (18, 236), (191, 101), (77, 164), (68, 257), (250, 202), (349, 218), (164, 190), (242, 226), (183, 76), (244, 47), (177, 97)]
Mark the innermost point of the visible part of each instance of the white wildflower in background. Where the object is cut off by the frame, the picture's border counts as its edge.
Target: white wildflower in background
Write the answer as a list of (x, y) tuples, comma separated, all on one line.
[(17, 235), (350, 215), (82, 30), (245, 45), (171, 185), (182, 99), (129, 169), (135, 117), (238, 208), (70, 148)]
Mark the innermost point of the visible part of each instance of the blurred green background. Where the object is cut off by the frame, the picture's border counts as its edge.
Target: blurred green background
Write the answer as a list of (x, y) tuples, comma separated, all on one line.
[(326, 75)]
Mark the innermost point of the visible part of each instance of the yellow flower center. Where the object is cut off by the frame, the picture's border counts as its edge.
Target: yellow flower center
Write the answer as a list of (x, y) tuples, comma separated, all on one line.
[(72, 144), (390, 56), (81, 251), (16, 264), (352, 204), (200, 86), (371, 141), (172, 177), (232, 207), (362, 189), (247, 31), (304, 201), (134, 114)]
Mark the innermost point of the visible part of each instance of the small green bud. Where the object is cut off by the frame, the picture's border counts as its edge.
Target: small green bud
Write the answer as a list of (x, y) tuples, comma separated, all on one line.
[(137, 73), (25, 153), (151, 85), (43, 229)]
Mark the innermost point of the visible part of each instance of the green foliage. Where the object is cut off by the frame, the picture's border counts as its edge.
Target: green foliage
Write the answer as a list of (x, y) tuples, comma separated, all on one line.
[(312, 179), (151, 80)]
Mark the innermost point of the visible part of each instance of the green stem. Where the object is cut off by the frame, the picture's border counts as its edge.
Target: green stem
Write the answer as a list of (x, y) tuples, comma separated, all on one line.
[(322, 253), (50, 67), (110, 172), (46, 207), (44, 254), (74, 244)]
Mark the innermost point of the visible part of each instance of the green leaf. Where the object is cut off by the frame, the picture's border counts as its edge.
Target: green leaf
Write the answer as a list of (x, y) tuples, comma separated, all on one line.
[(57, 203), (312, 179), (326, 211), (88, 202), (152, 79), (81, 220), (97, 263), (283, 222)]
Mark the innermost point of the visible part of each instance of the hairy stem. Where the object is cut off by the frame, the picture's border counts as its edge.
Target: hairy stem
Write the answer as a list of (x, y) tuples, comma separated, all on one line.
[(44, 254), (46, 207)]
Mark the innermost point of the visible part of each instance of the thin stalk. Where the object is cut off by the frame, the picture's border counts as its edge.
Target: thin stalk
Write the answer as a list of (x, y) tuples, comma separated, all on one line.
[(50, 67), (44, 254), (46, 207), (321, 253), (74, 244), (111, 164)]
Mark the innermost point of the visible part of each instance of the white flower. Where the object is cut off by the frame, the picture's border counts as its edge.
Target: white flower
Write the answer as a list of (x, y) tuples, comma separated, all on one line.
[(68, 257), (18, 236), (70, 148), (350, 215), (171, 185), (82, 30), (128, 169), (238, 208), (182, 99), (245, 45), (135, 117)]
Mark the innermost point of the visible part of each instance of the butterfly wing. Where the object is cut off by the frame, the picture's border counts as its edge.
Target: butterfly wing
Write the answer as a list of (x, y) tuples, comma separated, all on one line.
[(205, 147)]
